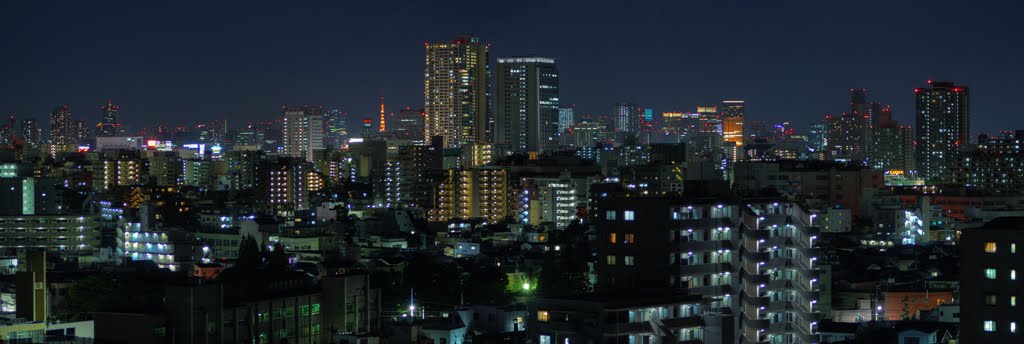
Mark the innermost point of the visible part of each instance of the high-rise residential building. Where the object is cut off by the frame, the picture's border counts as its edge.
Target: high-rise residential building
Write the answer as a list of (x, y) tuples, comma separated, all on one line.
[(847, 137), (30, 132), (566, 118), (526, 104), (80, 131), (336, 130), (302, 131), (782, 279), (943, 129), (455, 91), (472, 193), (817, 138), (995, 164), (891, 145), (859, 102), (61, 133), (408, 124), (110, 124)]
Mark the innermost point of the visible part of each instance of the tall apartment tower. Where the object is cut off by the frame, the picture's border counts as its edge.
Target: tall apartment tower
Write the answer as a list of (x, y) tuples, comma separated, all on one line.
[(526, 104), (61, 134), (943, 129), (302, 131), (455, 91), (110, 121), (892, 145)]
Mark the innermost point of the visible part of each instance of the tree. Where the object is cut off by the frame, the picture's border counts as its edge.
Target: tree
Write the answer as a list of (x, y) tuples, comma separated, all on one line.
[(248, 254)]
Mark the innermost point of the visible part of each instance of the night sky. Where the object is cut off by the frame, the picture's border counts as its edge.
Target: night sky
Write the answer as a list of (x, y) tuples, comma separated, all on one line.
[(179, 62)]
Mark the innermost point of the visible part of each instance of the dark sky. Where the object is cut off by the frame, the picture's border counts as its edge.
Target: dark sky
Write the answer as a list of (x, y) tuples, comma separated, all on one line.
[(179, 62)]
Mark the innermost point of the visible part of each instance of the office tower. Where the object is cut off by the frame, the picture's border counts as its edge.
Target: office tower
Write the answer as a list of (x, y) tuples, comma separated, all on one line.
[(733, 112), (891, 145), (408, 124), (110, 124), (367, 129), (383, 126), (30, 132), (995, 164), (989, 285), (61, 134), (336, 130), (817, 138), (526, 104), (302, 131), (566, 118), (877, 112), (455, 91), (627, 118), (943, 129), (80, 132)]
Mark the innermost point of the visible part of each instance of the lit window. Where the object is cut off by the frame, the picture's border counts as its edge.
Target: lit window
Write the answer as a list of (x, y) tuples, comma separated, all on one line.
[(1013, 248), (1013, 301), (990, 247), (628, 215), (990, 274), (543, 316), (991, 299), (1013, 275), (612, 238), (630, 238), (611, 260), (1013, 327), (609, 215), (990, 326), (545, 339), (628, 260)]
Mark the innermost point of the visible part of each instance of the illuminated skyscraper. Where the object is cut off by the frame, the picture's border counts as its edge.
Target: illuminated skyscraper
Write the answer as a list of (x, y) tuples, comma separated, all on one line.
[(627, 118), (943, 129), (302, 131), (336, 130), (60, 127), (526, 104), (455, 91), (566, 118), (110, 124), (733, 112)]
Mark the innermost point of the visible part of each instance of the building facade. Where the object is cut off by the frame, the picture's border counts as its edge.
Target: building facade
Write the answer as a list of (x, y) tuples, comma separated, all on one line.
[(526, 112), (455, 91)]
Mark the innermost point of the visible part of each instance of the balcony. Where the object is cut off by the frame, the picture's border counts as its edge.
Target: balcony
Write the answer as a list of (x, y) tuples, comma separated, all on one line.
[(703, 246), (702, 269)]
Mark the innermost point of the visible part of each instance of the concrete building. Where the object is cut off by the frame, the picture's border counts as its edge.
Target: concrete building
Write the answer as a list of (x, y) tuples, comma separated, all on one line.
[(943, 129), (526, 112), (989, 290), (302, 131), (456, 91)]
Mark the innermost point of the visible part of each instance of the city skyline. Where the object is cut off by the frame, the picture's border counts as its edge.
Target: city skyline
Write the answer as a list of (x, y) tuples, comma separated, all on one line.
[(237, 73)]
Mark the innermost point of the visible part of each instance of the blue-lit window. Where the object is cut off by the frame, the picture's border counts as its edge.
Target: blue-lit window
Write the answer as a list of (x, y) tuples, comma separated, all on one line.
[(609, 215), (629, 215), (990, 274)]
